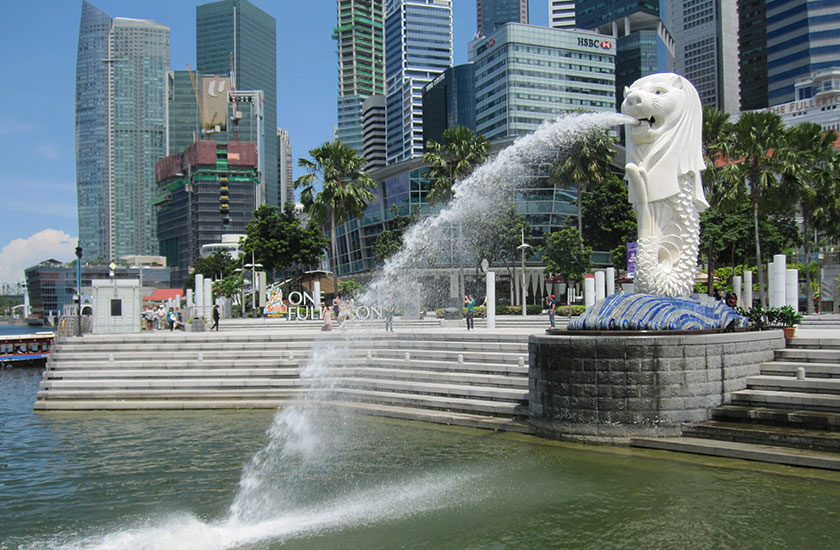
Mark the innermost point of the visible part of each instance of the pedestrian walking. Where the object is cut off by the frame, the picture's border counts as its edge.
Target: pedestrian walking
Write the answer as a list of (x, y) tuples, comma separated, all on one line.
[(216, 315), (469, 303), (389, 315), (172, 318), (327, 326), (552, 309)]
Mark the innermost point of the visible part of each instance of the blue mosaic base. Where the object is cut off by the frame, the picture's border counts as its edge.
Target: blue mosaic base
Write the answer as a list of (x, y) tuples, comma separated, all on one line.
[(649, 312)]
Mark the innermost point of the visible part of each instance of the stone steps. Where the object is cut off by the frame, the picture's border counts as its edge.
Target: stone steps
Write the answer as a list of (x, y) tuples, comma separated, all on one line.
[(795, 418), (788, 384), (783, 436), (744, 451), (809, 355), (812, 369), (475, 379), (777, 417)]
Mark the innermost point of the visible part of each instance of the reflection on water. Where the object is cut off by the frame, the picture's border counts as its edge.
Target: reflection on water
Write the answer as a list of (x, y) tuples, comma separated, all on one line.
[(167, 480)]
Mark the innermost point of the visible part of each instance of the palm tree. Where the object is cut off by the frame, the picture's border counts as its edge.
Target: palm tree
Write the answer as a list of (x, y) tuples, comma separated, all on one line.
[(813, 177), (588, 162), (717, 136), (758, 138), (461, 152), (344, 193)]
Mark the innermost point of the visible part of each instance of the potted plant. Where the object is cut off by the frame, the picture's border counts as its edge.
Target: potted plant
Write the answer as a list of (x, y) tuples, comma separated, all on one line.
[(788, 317)]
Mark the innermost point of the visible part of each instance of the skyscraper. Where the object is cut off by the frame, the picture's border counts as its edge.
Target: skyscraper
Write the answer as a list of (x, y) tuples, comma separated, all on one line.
[(491, 14), (121, 67), (576, 71), (561, 14), (373, 132), (644, 44), (239, 29), (361, 63), (706, 50), (284, 167), (752, 44), (803, 37), (418, 47)]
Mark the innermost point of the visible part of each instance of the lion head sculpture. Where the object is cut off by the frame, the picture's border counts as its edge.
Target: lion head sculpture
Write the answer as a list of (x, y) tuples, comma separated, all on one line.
[(667, 140)]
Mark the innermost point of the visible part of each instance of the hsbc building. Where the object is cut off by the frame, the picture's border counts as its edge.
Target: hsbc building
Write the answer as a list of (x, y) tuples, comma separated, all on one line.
[(525, 74)]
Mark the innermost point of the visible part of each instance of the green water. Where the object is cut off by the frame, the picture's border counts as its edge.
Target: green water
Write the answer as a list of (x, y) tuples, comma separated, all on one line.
[(169, 480)]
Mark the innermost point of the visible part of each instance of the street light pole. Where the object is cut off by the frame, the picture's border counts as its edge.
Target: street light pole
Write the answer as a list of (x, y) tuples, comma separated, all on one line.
[(523, 247), (79, 290)]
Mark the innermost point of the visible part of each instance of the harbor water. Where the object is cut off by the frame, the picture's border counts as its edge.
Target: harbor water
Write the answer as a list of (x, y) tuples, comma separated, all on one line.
[(170, 479)]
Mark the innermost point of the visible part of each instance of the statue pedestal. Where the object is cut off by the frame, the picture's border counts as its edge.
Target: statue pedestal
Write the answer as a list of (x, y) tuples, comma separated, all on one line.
[(611, 386)]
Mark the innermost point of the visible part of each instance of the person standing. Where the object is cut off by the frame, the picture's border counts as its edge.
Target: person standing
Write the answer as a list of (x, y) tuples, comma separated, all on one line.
[(552, 309), (172, 318), (216, 315), (469, 302), (389, 315)]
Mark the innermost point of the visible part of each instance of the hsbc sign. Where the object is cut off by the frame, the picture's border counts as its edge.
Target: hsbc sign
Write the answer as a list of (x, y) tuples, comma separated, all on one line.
[(593, 43), (484, 47)]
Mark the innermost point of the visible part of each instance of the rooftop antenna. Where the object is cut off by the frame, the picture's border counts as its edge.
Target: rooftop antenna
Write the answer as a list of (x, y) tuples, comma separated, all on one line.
[(237, 114)]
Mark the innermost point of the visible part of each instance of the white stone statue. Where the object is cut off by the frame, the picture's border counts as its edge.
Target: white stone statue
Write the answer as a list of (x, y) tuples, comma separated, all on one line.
[(664, 162)]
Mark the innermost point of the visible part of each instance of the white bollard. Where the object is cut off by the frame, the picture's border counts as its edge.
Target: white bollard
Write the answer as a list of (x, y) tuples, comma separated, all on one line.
[(460, 357), (777, 280), (199, 295), (747, 302), (491, 300), (736, 288), (600, 286), (208, 299), (407, 356), (200, 356), (110, 357), (589, 291), (521, 361), (800, 373), (369, 355), (610, 281), (792, 289)]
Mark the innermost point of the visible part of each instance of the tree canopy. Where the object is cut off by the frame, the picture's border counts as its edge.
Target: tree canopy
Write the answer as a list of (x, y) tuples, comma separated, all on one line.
[(565, 254), (345, 189), (586, 164), (461, 152), (280, 241), (609, 222)]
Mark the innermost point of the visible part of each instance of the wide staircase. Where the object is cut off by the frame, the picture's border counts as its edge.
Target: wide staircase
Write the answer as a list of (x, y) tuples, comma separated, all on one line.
[(462, 378), (788, 414)]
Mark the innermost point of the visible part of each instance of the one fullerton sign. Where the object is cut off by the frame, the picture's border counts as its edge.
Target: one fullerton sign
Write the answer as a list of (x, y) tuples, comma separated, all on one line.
[(301, 306)]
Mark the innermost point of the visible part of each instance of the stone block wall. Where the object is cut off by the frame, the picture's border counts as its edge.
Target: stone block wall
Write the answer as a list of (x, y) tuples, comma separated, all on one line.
[(621, 385)]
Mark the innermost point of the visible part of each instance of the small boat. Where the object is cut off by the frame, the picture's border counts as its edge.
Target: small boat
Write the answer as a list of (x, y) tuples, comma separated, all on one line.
[(23, 349)]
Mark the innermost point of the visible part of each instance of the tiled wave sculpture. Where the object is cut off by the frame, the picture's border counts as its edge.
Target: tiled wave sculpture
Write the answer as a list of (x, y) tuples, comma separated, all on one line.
[(649, 312)]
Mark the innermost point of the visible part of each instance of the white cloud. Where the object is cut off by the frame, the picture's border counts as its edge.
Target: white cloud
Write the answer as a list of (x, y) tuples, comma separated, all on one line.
[(23, 253), (49, 151)]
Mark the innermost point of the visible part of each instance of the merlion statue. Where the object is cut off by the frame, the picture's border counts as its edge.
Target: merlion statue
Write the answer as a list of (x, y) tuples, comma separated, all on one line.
[(664, 162)]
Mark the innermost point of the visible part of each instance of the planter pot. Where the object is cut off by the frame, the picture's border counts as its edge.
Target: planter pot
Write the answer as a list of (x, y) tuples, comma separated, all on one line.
[(789, 332)]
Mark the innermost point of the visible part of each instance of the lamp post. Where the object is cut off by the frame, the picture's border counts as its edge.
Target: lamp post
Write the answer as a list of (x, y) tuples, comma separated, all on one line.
[(79, 290), (253, 267), (523, 247)]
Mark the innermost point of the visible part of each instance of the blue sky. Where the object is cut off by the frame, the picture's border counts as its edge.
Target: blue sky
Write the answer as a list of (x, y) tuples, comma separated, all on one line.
[(38, 47)]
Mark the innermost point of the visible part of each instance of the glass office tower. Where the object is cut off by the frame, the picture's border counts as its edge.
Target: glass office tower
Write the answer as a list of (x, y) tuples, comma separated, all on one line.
[(121, 68), (491, 14), (525, 75), (418, 47), (361, 63), (240, 29), (644, 44)]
